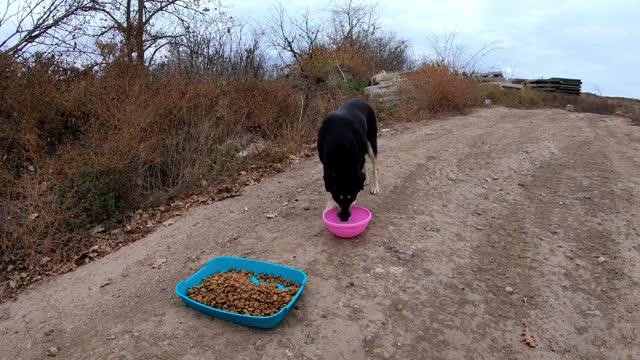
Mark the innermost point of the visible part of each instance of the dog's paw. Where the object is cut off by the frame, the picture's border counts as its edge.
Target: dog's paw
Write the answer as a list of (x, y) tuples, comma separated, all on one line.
[(375, 190)]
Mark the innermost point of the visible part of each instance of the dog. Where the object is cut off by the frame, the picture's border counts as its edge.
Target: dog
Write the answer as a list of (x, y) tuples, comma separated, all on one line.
[(345, 136)]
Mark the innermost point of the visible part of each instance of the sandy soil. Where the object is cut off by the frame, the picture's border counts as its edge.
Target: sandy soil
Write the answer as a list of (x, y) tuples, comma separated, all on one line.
[(485, 223)]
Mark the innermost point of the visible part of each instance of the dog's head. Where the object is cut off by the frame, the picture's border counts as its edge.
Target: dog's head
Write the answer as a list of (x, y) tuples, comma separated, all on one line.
[(344, 189)]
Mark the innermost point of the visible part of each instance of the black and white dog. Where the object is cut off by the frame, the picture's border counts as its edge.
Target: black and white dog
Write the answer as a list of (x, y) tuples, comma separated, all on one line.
[(344, 138)]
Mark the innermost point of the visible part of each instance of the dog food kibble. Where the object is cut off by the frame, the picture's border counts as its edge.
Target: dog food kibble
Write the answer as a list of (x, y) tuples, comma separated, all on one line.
[(233, 291)]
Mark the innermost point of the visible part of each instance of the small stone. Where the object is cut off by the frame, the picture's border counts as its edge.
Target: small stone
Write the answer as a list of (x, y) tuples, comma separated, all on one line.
[(31, 168), (112, 337), (168, 223), (44, 260), (158, 263), (10, 268), (479, 227), (97, 230), (508, 289), (351, 284), (399, 307), (52, 351), (368, 338), (13, 284), (601, 259), (306, 208), (48, 332), (385, 322), (324, 316), (271, 215), (495, 178)]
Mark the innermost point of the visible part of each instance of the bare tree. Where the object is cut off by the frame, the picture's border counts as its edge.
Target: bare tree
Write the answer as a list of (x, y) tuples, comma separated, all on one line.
[(45, 24), (353, 21), (295, 37), (144, 27)]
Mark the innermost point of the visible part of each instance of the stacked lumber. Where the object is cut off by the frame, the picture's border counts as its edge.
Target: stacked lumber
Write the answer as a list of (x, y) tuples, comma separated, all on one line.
[(386, 88), (556, 85)]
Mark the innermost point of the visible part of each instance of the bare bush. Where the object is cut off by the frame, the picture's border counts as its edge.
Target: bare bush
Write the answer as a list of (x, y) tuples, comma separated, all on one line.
[(221, 49), (448, 50), (351, 47)]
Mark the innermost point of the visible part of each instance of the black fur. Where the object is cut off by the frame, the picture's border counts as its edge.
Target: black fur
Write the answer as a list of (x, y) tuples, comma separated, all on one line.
[(342, 146)]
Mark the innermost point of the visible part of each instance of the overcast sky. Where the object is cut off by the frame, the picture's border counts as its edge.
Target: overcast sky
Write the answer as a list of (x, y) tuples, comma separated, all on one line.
[(595, 41)]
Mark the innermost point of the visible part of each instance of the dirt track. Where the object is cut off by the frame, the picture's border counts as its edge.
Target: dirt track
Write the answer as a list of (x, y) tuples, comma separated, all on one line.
[(484, 222)]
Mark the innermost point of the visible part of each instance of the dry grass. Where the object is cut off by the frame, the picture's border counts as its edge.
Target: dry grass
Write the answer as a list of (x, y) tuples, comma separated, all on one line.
[(589, 103), (81, 149), (435, 90)]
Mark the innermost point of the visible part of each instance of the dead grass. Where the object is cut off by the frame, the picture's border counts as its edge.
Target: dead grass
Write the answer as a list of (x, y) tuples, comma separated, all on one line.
[(589, 103), (435, 90), (81, 149)]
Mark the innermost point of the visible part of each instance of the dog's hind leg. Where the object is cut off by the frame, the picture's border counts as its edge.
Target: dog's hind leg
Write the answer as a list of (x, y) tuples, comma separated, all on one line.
[(366, 173), (375, 189)]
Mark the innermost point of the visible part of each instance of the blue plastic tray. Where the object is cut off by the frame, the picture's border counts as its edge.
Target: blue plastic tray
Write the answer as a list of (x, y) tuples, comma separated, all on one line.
[(224, 263)]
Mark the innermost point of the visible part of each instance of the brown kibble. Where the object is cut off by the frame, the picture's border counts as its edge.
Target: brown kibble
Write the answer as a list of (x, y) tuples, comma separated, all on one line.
[(233, 291)]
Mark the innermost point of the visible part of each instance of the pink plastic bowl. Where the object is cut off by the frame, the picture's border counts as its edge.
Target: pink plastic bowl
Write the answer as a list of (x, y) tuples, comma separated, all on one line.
[(360, 217)]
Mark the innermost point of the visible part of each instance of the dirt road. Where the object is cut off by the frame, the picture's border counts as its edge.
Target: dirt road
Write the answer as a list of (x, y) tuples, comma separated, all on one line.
[(485, 223)]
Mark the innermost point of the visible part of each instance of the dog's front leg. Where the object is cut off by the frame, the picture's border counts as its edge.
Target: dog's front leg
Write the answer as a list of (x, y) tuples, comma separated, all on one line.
[(375, 189)]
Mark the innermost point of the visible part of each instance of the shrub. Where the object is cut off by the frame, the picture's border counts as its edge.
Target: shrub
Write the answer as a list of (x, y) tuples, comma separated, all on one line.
[(435, 89)]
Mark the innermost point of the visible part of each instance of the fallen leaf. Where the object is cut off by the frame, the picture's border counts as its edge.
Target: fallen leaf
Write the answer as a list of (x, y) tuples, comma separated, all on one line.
[(528, 337), (66, 268), (34, 216)]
